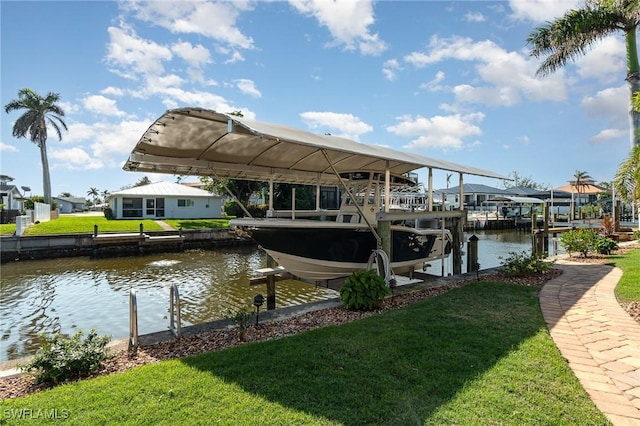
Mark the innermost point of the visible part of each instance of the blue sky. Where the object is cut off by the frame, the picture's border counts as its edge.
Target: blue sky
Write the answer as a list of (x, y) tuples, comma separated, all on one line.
[(444, 79)]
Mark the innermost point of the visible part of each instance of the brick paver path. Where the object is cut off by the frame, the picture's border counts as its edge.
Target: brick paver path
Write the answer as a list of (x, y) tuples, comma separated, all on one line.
[(598, 338)]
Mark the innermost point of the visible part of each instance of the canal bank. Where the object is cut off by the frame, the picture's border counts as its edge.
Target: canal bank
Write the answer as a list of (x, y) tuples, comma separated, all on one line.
[(95, 244)]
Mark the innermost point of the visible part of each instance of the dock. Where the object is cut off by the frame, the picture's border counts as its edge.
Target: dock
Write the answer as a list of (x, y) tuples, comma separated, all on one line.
[(134, 241)]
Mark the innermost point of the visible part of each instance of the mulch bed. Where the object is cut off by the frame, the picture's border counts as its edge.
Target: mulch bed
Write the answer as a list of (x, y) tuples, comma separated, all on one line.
[(220, 339)]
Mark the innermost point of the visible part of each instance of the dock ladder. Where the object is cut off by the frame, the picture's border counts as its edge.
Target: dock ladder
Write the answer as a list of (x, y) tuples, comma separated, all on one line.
[(175, 324), (133, 321)]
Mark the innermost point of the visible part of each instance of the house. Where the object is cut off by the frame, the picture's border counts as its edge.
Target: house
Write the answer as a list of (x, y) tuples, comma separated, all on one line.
[(474, 195), (165, 200), (70, 204), (10, 196)]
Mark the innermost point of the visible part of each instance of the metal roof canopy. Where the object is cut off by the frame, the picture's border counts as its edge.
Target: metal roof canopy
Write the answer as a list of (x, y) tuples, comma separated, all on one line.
[(520, 200), (201, 142)]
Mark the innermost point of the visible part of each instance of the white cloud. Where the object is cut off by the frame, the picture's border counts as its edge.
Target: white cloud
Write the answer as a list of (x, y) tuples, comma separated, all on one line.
[(235, 57), (74, 159), (439, 131), (390, 68), (611, 104), (607, 135), (507, 76), (112, 91), (248, 87), (347, 125), (474, 17), (348, 22), (195, 56), (605, 62), (5, 147), (131, 55), (213, 20), (434, 84), (541, 10), (102, 105)]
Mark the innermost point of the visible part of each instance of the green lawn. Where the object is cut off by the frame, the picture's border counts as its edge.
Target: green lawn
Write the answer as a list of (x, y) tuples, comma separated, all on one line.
[(479, 354), (7, 228), (197, 223), (83, 224), (628, 289)]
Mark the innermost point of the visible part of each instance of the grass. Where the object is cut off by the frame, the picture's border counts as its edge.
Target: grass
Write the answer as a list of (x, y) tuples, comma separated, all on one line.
[(197, 223), (479, 354), (628, 288), (85, 224), (7, 228)]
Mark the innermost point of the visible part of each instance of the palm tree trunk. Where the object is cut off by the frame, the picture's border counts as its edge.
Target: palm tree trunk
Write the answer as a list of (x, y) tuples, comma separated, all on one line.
[(46, 178), (633, 79)]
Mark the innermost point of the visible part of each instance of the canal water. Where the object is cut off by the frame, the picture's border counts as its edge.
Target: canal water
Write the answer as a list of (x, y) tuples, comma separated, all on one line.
[(70, 294)]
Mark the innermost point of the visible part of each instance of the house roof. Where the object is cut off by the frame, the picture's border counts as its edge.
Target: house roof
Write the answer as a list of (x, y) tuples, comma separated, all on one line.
[(522, 191), (473, 188), (72, 200), (518, 200), (166, 189), (201, 142), (585, 188)]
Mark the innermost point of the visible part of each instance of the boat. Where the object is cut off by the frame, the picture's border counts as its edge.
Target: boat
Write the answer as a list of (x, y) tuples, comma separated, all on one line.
[(322, 250), (201, 142)]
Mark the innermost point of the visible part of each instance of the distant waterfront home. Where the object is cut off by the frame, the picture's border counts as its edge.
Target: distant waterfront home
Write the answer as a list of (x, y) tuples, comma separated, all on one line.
[(165, 200), (10, 196), (474, 195), (70, 204)]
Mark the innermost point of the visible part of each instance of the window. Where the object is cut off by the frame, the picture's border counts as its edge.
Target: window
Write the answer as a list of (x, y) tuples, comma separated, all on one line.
[(185, 203), (132, 207)]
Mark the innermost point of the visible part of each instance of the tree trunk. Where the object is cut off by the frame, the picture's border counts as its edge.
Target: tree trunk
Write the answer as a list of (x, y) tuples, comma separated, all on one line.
[(46, 178), (633, 79)]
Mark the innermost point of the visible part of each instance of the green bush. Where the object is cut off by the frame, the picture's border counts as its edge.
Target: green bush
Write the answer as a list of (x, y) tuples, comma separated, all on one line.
[(605, 245), (61, 358), (242, 318), (636, 234), (108, 213), (363, 290), (579, 240), (523, 264)]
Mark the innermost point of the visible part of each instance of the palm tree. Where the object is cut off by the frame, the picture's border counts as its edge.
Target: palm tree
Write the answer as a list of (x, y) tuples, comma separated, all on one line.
[(627, 179), (571, 35), (579, 183), (93, 193), (105, 194), (39, 112)]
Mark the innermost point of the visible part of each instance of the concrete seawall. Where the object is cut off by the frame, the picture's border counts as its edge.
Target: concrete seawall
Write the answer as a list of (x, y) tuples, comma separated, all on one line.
[(69, 245)]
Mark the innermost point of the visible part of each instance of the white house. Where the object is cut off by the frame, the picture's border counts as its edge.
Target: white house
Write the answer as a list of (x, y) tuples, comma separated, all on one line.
[(165, 200)]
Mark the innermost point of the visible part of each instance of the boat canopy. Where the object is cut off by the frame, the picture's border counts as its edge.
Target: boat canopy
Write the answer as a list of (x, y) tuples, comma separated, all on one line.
[(202, 142)]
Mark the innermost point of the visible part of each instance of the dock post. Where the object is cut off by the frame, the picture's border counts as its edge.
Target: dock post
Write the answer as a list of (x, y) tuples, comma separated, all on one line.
[(95, 230), (457, 233), (141, 229), (537, 239), (271, 285), (545, 248), (384, 230), (472, 254)]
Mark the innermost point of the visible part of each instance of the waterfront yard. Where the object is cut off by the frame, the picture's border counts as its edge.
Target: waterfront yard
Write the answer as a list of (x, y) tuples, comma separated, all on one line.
[(74, 224), (477, 354)]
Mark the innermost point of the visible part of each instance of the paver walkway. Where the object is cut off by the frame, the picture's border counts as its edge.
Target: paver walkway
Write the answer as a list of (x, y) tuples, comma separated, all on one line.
[(598, 338)]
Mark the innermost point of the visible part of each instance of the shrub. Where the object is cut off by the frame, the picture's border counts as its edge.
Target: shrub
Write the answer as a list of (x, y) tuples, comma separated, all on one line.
[(363, 290), (61, 358), (636, 234), (242, 318), (605, 245), (108, 213), (523, 264), (579, 240)]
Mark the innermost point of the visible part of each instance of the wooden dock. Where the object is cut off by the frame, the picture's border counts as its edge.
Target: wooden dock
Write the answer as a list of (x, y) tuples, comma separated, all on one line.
[(133, 242)]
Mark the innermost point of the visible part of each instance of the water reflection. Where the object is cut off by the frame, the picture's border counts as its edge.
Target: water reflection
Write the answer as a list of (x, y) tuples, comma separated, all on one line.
[(64, 295)]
